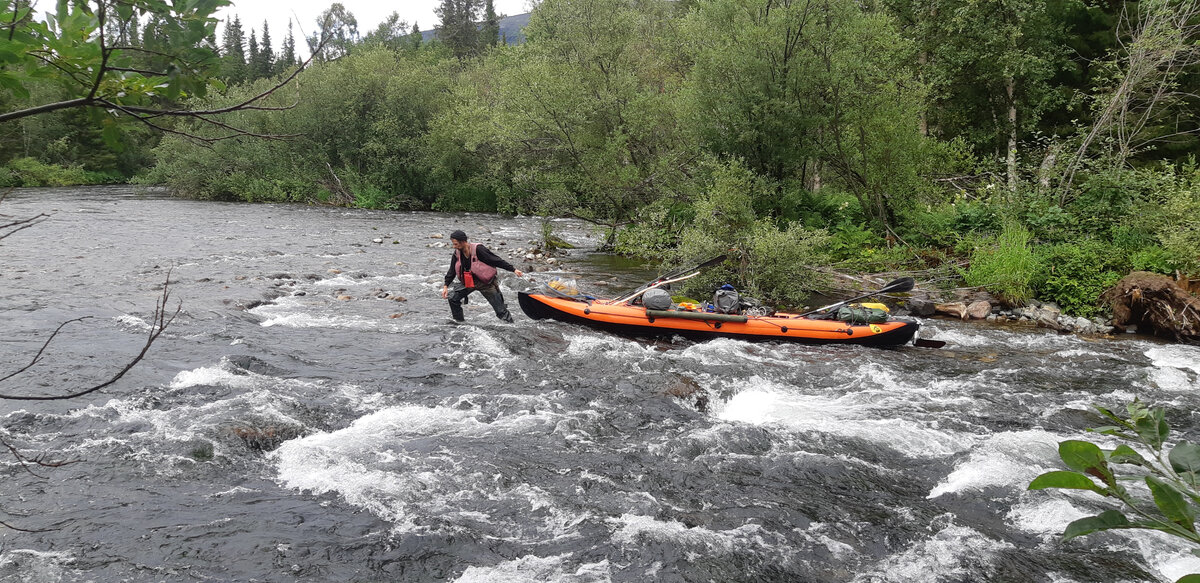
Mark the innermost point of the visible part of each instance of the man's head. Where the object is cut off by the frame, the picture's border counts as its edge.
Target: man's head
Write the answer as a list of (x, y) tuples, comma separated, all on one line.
[(458, 239)]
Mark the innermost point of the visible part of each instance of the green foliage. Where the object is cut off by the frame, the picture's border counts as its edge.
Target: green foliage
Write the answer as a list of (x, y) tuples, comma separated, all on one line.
[(1172, 480), (1005, 267), (1177, 220), (1073, 275), (765, 261), (31, 172)]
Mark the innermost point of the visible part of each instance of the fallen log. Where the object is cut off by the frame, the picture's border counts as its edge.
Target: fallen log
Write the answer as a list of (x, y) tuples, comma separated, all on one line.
[(1154, 303)]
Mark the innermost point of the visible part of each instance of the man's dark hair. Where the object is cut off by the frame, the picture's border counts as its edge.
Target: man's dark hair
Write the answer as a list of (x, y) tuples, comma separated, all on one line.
[(458, 236)]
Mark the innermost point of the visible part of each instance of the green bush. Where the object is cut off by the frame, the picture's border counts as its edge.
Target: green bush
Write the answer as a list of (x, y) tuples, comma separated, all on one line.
[(770, 263), (31, 172), (1005, 266), (1073, 275)]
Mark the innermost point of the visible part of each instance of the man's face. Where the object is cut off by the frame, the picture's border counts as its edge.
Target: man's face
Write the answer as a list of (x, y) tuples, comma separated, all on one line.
[(458, 245)]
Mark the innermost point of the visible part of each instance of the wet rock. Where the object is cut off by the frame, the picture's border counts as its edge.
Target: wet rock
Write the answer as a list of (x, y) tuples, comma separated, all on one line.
[(397, 315), (921, 307), (954, 309), (344, 298), (978, 310), (437, 236)]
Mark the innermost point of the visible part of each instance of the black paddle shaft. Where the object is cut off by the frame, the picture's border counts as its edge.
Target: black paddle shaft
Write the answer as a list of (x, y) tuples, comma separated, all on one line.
[(902, 284), (681, 272)]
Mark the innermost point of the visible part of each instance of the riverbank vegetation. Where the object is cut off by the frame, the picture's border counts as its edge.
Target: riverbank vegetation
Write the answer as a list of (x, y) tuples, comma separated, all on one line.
[(1035, 149)]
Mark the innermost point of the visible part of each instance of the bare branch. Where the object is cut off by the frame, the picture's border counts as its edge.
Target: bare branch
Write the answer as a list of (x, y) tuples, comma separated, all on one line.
[(159, 323), (38, 357)]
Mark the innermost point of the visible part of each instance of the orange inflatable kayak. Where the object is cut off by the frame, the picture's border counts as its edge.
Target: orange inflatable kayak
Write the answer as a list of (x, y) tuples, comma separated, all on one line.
[(625, 318)]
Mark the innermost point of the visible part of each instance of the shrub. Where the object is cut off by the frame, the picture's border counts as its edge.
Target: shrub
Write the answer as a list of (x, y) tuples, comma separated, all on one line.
[(1005, 266), (1073, 275)]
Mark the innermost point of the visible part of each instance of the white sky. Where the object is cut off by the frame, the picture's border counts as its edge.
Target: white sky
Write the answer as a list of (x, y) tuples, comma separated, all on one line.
[(368, 13)]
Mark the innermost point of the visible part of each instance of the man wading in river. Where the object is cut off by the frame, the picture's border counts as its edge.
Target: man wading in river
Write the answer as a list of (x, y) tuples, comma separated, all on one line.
[(475, 266)]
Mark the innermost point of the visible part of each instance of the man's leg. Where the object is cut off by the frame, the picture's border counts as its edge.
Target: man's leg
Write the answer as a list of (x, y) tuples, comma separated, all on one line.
[(456, 298), (496, 299)]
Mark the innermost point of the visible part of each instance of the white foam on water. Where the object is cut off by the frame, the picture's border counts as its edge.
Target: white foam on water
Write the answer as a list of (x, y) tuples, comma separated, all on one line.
[(131, 321), (1179, 356), (33, 566), (1009, 459), (297, 312), (633, 529), (767, 403), (583, 345), (481, 349), (214, 376), (369, 466), (976, 338), (940, 558), (1177, 368), (1044, 515), (534, 569)]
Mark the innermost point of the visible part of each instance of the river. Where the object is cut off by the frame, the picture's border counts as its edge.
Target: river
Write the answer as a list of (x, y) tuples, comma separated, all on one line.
[(300, 421)]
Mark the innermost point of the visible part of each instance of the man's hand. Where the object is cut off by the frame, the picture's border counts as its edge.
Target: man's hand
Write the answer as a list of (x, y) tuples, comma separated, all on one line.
[(519, 274), (444, 289)]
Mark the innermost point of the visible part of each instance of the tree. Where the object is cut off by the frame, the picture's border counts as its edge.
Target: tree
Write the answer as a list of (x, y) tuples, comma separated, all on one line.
[(415, 37), (459, 29), (287, 56), (233, 53), (391, 33), (337, 33), (795, 87), (262, 65), (490, 33), (579, 119), (72, 49), (1146, 101)]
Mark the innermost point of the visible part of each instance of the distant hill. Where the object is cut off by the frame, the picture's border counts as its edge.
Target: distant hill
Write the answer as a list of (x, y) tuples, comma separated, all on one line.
[(512, 29)]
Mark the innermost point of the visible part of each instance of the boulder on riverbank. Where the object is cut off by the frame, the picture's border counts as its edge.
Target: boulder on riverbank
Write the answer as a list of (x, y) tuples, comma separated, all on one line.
[(1155, 303)]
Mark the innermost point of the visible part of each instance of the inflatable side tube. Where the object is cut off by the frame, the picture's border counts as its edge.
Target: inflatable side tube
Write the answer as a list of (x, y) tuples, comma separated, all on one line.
[(695, 316)]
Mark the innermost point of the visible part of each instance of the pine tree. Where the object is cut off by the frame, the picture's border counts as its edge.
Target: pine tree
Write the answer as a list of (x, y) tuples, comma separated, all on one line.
[(287, 58), (459, 29), (491, 25), (415, 37), (233, 53), (252, 61), (264, 64)]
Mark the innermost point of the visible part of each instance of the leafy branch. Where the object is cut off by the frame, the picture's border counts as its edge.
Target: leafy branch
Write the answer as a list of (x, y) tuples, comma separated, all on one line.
[(1171, 476)]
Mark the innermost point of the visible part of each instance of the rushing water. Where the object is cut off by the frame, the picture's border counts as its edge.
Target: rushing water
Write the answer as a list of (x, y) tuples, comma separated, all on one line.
[(294, 425)]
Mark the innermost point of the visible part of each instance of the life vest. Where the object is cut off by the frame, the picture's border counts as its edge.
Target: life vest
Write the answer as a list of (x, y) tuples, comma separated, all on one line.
[(479, 274)]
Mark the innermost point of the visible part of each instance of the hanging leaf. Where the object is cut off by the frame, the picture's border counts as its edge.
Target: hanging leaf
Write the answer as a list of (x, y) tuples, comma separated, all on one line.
[(1086, 457), (1185, 457), (1172, 503), (1107, 520), (1123, 454), (1068, 480)]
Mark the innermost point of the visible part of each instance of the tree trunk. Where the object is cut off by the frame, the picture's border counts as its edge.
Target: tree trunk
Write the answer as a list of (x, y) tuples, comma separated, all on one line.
[(1011, 155)]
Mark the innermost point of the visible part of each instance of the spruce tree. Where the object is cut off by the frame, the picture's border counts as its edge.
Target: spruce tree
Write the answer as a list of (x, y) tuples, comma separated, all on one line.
[(287, 58), (264, 64), (491, 25), (252, 61), (459, 28), (415, 37), (233, 53)]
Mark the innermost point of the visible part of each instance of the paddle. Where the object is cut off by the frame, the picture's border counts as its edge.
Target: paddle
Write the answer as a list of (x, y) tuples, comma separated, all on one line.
[(669, 278), (899, 285)]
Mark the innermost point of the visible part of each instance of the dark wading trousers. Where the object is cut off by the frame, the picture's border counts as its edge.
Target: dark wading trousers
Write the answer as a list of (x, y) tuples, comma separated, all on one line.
[(491, 293)]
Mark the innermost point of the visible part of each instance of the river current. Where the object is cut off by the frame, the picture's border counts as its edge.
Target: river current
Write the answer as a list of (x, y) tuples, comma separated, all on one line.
[(313, 414)]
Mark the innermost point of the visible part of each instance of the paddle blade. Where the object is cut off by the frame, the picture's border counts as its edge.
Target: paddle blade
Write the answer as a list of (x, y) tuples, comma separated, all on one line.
[(898, 285), (925, 343)]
